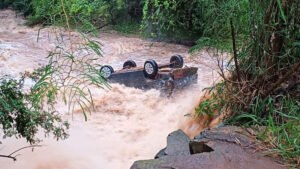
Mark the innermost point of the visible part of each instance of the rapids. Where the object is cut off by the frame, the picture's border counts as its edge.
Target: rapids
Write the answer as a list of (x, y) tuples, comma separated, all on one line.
[(128, 124)]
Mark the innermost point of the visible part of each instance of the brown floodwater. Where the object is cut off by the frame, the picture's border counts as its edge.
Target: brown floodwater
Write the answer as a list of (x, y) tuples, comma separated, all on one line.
[(128, 124)]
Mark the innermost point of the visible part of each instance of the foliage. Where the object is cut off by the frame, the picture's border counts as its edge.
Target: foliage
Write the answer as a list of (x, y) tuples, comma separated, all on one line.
[(84, 15), (282, 132), (71, 71), (191, 19), (267, 52), (127, 28), (86, 12), (215, 103), (170, 17), (263, 91), (22, 116), (23, 6), (215, 28)]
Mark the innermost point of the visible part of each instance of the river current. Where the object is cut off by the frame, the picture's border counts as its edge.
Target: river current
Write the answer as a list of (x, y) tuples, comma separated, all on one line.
[(128, 124)]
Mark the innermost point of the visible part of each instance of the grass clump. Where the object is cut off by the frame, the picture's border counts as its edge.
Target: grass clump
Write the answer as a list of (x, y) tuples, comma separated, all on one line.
[(279, 119)]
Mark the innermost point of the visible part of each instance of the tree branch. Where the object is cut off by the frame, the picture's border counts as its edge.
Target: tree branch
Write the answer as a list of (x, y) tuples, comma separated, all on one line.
[(279, 81), (7, 156), (234, 51), (12, 156)]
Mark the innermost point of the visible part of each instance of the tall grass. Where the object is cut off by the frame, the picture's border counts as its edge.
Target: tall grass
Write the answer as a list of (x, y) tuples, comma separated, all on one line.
[(279, 125)]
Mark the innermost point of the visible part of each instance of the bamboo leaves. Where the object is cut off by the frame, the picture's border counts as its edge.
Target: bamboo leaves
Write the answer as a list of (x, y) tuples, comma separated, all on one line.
[(281, 11)]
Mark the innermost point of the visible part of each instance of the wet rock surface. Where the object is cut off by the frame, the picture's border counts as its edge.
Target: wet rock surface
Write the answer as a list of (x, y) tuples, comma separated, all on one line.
[(221, 148), (177, 144)]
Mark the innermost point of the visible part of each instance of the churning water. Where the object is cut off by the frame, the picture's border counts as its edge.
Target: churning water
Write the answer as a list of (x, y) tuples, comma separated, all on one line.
[(128, 124)]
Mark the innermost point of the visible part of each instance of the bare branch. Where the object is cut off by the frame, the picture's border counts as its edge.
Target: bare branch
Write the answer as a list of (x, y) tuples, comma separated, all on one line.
[(279, 81), (7, 156), (11, 155)]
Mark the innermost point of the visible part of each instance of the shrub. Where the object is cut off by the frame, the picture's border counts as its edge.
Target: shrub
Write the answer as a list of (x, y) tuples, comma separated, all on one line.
[(84, 15), (191, 19)]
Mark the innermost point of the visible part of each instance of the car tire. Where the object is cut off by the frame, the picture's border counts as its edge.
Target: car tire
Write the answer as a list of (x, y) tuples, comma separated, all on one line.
[(129, 64), (150, 69), (106, 71), (176, 61)]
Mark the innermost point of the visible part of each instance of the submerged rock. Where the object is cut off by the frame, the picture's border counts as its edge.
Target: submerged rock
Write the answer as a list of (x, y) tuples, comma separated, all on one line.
[(221, 148)]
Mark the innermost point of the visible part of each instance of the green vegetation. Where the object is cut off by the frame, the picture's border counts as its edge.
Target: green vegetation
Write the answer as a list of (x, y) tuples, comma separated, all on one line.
[(192, 19), (23, 6), (169, 18), (281, 120), (21, 114), (71, 71), (263, 86), (83, 15), (68, 76), (127, 28)]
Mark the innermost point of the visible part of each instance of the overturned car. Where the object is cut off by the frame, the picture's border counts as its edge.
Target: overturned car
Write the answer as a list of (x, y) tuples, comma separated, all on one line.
[(164, 77)]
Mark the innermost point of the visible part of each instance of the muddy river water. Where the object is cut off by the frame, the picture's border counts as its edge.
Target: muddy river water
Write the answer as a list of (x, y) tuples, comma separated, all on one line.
[(128, 124)]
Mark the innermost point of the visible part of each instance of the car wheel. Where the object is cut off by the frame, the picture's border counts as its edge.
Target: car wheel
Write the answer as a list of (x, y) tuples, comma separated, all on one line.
[(129, 64), (106, 71), (150, 69), (176, 61)]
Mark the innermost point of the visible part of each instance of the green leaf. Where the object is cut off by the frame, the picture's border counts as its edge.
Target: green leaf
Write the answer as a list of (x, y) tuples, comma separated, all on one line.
[(281, 11), (83, 111)]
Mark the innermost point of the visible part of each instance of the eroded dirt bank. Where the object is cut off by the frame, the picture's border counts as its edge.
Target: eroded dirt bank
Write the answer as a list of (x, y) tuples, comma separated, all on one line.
[(128, 124)]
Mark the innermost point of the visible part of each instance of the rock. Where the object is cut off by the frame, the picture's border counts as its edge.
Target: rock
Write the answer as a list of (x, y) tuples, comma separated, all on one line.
[(161, 153), (177, 143), (221, 148), (229, 134)]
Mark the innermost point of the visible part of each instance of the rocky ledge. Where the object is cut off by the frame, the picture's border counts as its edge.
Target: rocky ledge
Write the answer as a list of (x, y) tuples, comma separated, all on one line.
[(221, 148)]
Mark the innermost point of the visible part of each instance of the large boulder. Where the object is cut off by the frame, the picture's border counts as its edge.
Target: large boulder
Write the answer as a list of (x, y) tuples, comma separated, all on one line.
[(223, 148), (177, 143)]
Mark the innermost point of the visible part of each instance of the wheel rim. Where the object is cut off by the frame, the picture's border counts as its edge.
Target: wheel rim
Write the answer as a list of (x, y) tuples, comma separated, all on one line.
[(149, 68), (106, 72)]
